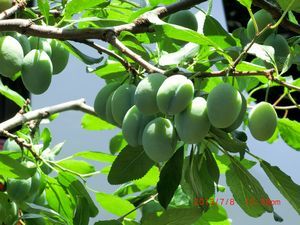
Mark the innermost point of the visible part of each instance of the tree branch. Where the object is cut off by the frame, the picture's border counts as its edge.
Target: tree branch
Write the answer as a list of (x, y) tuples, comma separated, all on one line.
[(20, 119), (276, 13), (148, 66)]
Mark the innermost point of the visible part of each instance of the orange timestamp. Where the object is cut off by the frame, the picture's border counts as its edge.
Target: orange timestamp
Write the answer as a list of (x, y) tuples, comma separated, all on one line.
[(231, 201)]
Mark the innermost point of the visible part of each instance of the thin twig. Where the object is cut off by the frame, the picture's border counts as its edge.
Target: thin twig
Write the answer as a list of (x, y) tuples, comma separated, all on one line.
[(20, 119), (126, 51), (287, 107), (101, 49), (11, 11)]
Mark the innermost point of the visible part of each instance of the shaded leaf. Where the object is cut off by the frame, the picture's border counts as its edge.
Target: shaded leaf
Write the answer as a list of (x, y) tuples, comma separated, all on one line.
[(170, 178), (246, 190), (117, 143), (284, 183), (216, 215), (130, 164), (12, 95)]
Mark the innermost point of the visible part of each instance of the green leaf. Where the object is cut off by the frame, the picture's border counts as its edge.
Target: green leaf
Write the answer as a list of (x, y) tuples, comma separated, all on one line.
[(77, 166), (180, 33), (12, 95), (170, 178), (90, 122), (76, 6), (46, 138), (117, 143), (44, 7), (115, 205), (76, 188), (215, 32), (78, 54), (284, 183), (224, 161), (164, 2), (174, 216), (58, 200), (289, 131), (130, 164), (96, 156), (246, 190), (246, 3), (108, 222), (150, 179), (10, 166), (216, 215), (111, 70), (212, 166), (82, 216)]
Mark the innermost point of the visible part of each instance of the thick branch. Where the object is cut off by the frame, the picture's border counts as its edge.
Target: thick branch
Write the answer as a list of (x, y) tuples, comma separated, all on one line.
[(20, 119), (126, 51), (276, 13)]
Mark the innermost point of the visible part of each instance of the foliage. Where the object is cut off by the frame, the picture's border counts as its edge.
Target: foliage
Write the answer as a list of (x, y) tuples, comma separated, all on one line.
[(167, 79)]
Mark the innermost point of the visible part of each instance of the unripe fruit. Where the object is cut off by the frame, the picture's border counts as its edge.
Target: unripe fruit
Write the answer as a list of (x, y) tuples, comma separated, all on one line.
[(41, 44), (37, 71), (18, 189), (102, 99), (8, 210), (11, 56), (5, 4), (263, 18), (262, 121), (59, 57), (146, 91), (223, 105), (281, 47), (11, 145), (133, 126), (24, 42), (47, 155), (121, 101), (108, 111), (185, 19), (192, 124), (237, 123), (34, 188), (174, 95), (159, 139)]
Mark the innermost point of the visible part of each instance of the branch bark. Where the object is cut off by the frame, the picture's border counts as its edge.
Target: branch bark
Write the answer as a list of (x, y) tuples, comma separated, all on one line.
[(11, 11), (42, 113)]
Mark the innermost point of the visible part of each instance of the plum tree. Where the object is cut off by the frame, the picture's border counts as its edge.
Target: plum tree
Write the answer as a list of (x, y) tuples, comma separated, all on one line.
[(37, 71), (159, 139), (133, 126), (262, 121), (263, 18), (146, 91), (237, 123), (11, 145), (121, 101), (175, 93), (59, 56), (101, 100), (224, 104), (5, 4), (40, 44), (192, 124), (24, 42), (11, 56)]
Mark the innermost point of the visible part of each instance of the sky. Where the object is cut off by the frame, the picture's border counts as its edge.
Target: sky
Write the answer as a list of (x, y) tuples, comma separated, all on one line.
[(74, 83)]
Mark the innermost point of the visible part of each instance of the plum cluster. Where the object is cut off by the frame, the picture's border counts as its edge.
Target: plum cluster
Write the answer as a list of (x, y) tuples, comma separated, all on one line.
[(161, 110), (37, 59)]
